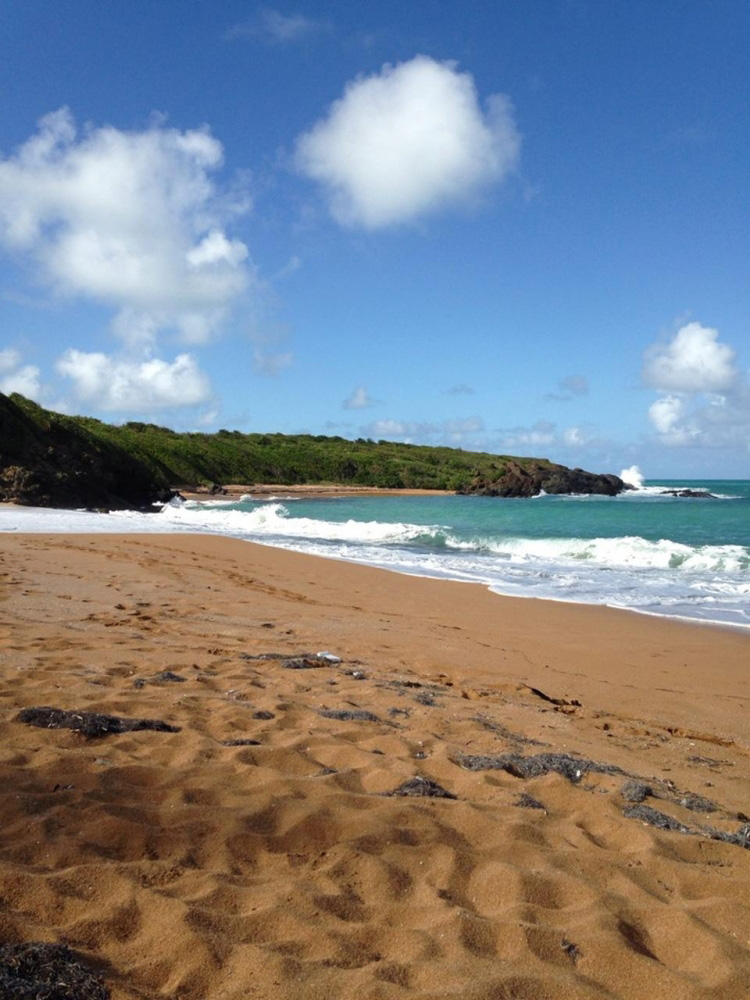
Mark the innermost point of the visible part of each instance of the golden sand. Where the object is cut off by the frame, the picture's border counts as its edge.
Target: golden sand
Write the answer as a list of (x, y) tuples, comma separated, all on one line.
[(183, 867)]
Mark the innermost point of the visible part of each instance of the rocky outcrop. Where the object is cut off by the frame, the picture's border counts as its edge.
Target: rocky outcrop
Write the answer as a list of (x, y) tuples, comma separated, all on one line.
[(49, 460), (695, 494), (533, 476)]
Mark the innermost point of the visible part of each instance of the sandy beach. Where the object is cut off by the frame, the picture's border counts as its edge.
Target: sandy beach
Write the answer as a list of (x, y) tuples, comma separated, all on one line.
[(259, 850)]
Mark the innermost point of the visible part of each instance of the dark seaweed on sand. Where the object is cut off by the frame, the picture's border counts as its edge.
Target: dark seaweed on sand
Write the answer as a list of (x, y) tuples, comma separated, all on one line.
[(295, 661), (40, 971), (572, 768), (636, 791), (164, 676), (697, 803), (418, 787), (655, 818), (90, 724), (526, 801), (349, 715)]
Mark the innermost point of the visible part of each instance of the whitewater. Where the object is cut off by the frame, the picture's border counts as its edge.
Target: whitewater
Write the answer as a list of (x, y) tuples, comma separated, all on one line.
[(643, 550)]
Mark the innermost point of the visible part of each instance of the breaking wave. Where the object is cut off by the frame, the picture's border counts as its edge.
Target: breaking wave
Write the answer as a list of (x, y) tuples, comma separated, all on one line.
[(709, 582)]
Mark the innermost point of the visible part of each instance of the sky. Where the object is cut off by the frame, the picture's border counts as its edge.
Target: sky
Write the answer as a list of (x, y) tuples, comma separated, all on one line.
[(518, 226)]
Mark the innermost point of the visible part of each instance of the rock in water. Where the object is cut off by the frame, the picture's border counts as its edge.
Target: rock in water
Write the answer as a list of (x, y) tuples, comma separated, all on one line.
[(533, 476)]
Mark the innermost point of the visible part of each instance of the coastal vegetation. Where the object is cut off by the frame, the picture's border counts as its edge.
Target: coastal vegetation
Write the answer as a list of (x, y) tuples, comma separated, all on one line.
[(52, 458)]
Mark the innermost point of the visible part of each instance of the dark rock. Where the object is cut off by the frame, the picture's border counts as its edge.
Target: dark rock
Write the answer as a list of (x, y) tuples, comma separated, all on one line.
[(655, 818), (696, 494), (636, 791), (41, 971), (262, 714), (534, 475), (418, 787), (572, 768), (571, 950), (90, 724)]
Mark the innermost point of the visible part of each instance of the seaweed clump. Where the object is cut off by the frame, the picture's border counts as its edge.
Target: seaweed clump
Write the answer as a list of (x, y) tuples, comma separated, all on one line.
[(572, 768), (636, 791), (418, 787), (41, 971), (90, 724), (350, 715), (655, 818)]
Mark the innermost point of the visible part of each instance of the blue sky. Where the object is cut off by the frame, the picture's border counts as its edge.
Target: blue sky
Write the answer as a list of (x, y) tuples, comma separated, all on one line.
[(516, 226)]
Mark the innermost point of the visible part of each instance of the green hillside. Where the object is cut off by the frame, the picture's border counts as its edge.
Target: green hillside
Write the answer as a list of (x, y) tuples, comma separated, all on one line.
[(181, 459)]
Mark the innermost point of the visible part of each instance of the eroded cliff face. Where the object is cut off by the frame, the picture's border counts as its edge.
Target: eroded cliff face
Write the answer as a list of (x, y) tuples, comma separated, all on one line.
[(532, 477), (47, 461)]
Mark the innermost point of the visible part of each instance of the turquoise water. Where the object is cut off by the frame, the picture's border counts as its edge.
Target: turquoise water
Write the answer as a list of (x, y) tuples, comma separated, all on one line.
[(675, 556)]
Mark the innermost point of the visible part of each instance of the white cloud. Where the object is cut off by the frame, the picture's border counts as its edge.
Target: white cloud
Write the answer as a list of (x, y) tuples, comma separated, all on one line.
[(124, 385), (706, 401), (359, 399), (665, 414), (408, 141), (693, 361), (275, 28), (131, 220), (23, 380)]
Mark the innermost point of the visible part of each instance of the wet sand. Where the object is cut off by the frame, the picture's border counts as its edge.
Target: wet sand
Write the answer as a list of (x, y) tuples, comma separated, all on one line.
[(190, 865)]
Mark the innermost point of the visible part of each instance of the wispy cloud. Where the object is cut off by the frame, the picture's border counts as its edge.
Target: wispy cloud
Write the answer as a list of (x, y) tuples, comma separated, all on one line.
[(269, 362), (460, 389), (359, 399), (570, 386), (275, 28), (449, 432)]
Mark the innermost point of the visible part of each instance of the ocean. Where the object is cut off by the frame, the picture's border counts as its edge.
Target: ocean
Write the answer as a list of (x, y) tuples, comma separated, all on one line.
[(643, 551)]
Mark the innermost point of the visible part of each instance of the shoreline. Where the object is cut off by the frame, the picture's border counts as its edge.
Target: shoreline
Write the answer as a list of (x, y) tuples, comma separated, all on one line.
[(323, 491), (202, 498), (441, 805), (447, 595)]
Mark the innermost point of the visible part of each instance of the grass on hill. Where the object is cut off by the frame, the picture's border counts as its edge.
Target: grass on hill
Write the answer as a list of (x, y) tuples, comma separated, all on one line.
[(191, 458)]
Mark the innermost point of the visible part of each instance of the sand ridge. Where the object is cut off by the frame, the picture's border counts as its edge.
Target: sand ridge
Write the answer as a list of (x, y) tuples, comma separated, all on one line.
[(258, 852)]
